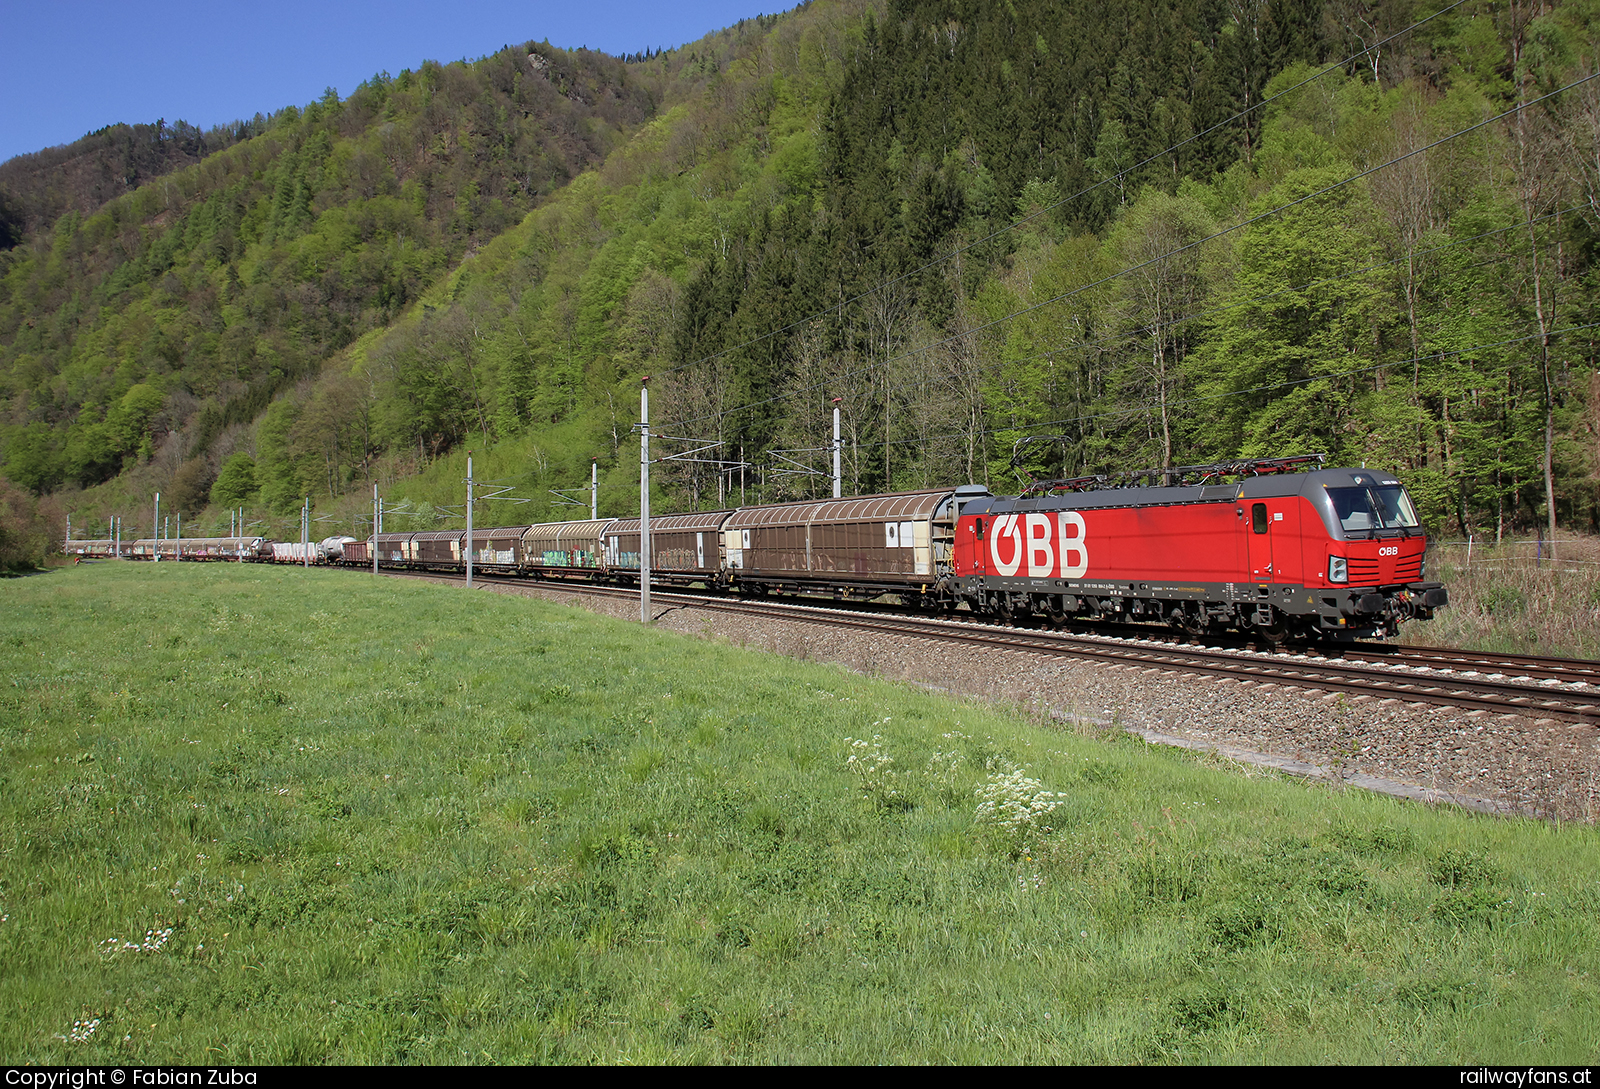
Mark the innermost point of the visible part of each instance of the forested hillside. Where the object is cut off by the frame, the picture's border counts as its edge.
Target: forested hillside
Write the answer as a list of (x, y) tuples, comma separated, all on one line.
[(1014, 239), (182, 308), (36, 189)]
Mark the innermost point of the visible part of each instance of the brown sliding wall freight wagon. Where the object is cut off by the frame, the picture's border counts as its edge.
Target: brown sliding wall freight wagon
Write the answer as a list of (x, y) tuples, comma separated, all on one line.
[(684, 548), (859, 547)]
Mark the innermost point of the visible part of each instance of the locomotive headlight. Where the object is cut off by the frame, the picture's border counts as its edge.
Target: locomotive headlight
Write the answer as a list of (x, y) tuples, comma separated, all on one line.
[(1338, 569)]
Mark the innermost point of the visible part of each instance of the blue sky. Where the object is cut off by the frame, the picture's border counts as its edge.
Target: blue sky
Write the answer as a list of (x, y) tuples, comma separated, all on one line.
[(73, 66)]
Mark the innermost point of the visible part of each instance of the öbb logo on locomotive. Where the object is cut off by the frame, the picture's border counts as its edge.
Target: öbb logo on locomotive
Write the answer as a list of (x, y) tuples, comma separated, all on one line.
[(1041, 548), (1280, 548)]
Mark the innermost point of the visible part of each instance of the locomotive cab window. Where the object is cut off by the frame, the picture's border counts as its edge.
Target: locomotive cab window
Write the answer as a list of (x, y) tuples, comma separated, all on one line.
[(1384, 507), (1258, 517), (980, 529), (1394, 505)]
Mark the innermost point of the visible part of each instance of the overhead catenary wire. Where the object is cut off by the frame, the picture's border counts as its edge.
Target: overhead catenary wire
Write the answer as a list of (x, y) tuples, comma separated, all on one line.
[(992, 235)]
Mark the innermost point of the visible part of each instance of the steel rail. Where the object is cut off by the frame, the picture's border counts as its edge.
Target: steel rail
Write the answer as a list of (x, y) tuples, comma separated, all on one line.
[(1568, 670)]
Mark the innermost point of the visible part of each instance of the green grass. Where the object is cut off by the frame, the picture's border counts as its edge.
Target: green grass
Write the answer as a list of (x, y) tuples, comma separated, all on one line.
[(389, 822)]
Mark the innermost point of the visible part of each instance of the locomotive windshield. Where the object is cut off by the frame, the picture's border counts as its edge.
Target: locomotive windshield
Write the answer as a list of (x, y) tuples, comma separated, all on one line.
[(1384, 506)]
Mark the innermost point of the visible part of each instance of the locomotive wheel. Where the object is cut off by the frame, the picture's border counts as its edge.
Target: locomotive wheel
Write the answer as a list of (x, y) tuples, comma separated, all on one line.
[(1274, 634)]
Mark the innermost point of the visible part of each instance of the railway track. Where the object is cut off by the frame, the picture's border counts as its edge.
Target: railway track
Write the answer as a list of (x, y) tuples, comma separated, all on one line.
[(1553, 688), (1564, 670)]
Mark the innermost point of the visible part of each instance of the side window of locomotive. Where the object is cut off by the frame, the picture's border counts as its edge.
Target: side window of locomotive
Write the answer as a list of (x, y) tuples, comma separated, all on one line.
[(1258, 517), (980, 529)]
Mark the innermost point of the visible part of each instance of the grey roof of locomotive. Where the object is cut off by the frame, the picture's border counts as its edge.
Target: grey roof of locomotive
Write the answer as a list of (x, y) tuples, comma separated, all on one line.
[(1256, 487)]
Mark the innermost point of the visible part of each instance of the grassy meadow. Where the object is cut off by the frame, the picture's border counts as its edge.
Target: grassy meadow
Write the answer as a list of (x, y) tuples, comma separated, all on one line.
[(260, 815)]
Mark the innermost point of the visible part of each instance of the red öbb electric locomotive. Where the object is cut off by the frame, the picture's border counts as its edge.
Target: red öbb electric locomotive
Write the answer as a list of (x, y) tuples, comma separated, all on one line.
[(1250, 545)]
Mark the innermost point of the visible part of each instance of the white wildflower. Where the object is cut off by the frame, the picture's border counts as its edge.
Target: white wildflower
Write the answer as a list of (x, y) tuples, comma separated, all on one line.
[(944, 767), (875, 767), (154, 941), (1016, 805), (80, 1031)]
